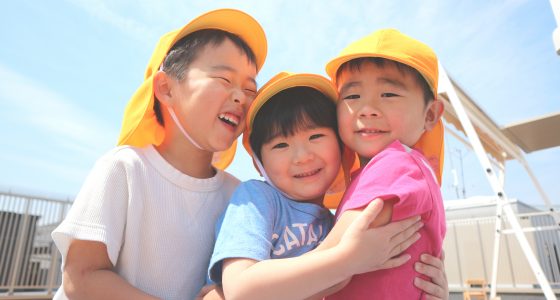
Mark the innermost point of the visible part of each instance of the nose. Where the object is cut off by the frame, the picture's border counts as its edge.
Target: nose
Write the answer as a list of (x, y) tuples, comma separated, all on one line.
[(302, 154), (239, 96), (369, 110)]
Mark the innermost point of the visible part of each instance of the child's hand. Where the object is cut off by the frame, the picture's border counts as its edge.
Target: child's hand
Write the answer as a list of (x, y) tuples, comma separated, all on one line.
[(434, 268), (371, 249)]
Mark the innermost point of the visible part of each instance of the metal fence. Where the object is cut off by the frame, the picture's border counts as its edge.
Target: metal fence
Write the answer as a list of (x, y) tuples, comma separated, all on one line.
[(29, 260)]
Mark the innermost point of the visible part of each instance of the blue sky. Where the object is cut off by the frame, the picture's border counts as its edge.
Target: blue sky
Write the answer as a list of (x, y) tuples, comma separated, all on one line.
[(68, 68)]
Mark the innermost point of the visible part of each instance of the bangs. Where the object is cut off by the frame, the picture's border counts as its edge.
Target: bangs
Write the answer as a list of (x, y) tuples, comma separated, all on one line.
[(290, 111), (355, 65), (300, 118)]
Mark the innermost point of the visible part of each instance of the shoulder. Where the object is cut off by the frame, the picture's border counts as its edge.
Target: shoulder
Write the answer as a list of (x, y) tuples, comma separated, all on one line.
[(230, 182), (395, 159), (124, 156), (254, 185), (255, 191)]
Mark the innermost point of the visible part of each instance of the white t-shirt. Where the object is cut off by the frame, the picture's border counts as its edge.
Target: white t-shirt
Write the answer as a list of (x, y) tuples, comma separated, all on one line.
[(158, 223)]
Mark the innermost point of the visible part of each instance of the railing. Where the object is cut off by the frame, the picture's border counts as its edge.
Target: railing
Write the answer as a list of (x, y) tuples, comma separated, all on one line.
[(29, 260), (468, 249)]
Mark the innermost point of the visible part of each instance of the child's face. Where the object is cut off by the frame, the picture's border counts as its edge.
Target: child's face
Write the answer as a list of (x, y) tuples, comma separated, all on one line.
[(303, 165), (213, 98), (377, 106)]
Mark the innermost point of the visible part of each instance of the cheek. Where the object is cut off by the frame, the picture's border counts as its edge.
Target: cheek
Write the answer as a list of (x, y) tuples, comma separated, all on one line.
[(272, 163), (344, 119)]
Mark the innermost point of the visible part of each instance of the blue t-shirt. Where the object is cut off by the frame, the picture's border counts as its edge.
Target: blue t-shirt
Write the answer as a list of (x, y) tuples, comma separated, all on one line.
[(261, 223)]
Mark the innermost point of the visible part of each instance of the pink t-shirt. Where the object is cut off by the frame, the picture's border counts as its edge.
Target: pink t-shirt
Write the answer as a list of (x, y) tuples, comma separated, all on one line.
[(402, 173)]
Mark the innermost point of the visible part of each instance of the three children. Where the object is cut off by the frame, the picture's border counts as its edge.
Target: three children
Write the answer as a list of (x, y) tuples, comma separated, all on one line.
[(142, 225)]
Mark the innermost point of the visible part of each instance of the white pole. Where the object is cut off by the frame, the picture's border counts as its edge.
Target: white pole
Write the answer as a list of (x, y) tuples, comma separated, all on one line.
[(556, 33)]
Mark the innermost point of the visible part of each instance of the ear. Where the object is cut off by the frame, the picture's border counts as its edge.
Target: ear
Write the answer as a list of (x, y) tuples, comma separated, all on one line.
[(434, 111), (162, 84)]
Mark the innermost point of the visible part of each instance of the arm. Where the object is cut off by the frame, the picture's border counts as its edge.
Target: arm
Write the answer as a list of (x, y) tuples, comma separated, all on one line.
[(88, 274), (429, 265), (337, 232), (283, 278)]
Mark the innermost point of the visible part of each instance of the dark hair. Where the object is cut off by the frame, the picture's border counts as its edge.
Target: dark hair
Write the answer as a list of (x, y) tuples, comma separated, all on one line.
[(357, 63), (289, 111), (185, 51)]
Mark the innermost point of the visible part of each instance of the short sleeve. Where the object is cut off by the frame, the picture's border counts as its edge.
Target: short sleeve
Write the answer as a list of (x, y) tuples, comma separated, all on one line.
[(245, 229), (99, 211), (391, 174)]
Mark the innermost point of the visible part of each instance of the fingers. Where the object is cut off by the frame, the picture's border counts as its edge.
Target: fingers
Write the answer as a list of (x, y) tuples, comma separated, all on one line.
[(395, 262), (433, 268), (406, 233), (398, 249), (432, 290), (400, 226), (432, 261), (368, 215)]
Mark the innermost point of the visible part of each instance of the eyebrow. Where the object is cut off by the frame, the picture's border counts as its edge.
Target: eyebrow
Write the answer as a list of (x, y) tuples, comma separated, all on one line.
[(230, 69), (393, 82), (349, 85)]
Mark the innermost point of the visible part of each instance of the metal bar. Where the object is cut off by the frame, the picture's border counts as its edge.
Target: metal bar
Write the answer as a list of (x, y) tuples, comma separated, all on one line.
[(536, 214), (458, 256), (53, 270), (453, 132), (481, 250), (19, 247), (506, 240), (496, 250), (11, 242), (543, 195), (531, 229)]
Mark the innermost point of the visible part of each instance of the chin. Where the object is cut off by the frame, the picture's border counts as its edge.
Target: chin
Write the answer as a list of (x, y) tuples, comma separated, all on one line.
[(221, 145)]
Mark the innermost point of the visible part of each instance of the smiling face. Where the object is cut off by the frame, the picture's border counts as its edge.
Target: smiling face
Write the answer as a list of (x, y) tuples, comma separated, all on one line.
[(212, 99), (303, 165), (378, 105)]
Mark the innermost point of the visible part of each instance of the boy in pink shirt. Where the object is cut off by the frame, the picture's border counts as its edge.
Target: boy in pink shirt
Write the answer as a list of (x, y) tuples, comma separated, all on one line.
[(389, 115)]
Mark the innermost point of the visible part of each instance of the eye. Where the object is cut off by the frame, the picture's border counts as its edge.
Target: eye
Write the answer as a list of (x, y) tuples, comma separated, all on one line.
[(280, 146), (389, 95), (250, 92), (224, 79), (351, 97), (316, 136)]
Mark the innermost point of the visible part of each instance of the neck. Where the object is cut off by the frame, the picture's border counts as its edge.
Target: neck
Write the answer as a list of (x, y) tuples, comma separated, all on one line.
[(186, 158), (364, 161)]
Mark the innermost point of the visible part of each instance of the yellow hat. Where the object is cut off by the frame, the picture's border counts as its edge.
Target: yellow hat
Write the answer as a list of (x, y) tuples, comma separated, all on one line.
[(140, 127), (393, 45), (278, 83)]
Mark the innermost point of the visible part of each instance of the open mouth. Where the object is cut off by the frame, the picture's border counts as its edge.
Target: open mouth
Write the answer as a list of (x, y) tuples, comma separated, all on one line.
[(307, 174), (229, 119)]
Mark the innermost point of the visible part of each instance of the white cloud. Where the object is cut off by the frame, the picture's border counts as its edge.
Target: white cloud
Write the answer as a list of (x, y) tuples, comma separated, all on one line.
[(128, 25), (26, 102)]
